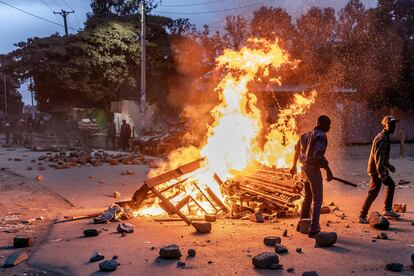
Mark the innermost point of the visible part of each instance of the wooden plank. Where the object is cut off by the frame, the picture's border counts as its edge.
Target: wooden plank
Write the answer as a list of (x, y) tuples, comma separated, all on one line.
[(183, 202), (184, 169), (170, 205), (216, 199), (202, 192), (198, 204)]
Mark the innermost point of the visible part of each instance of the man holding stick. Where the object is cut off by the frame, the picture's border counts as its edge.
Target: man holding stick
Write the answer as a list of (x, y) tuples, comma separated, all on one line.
[(310, 149), (378, 170)]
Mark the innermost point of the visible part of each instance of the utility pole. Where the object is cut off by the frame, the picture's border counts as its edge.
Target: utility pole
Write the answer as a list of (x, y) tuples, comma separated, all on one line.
[(143, 67), (64, 14), (5, 93)]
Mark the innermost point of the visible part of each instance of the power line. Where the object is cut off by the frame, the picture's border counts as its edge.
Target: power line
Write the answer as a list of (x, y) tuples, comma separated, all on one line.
[(34, 15), (53, 11), (196, 4), (215, 11)]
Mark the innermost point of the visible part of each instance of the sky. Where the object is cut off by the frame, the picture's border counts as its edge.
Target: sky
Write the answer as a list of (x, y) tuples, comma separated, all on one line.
[(17, 26)]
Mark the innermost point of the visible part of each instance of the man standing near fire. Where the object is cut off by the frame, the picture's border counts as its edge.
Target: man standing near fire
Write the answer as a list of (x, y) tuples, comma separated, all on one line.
[(310, 150), (378, 170)]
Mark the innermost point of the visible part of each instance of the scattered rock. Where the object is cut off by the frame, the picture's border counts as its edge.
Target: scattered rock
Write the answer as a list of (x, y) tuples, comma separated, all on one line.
[(22, 241), (40, 178), (92, 232), (299, 250), (290, 269), (257, 217), (325, 210), (113, 162), (326, 239), (117, 194), (347, 225), (303, 225), (170, 252), (381, 236), (191, 252), (91, 176), (29, 168), (130, 173), (376, 220), (41, 168), (285, 233), (125, 228), (280, 249), (181, 264), (108, 266), (265, 260), (202, 227), (272, 240), (15, 258), (18, 159), (396, 267), (111, 214), (400, 208), (210, 262), (210, 218), (310, 273), (96, 257)]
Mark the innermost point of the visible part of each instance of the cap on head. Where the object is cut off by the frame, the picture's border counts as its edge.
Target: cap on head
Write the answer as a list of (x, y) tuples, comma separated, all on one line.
[(388, 119)]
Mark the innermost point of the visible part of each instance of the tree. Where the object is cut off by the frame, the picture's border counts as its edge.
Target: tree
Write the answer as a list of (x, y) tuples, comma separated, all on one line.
[(14, 98), (236, 32), (119, 7)]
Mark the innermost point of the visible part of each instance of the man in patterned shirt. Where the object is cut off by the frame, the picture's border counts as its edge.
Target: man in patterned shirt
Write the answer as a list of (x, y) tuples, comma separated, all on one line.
[(379, 168)]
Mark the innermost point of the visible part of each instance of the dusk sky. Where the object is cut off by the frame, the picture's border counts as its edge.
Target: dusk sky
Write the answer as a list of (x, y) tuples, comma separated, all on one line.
[(17, 26)]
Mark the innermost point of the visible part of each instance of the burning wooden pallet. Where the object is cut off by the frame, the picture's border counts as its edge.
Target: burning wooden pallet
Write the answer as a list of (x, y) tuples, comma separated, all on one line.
[(266, 189)]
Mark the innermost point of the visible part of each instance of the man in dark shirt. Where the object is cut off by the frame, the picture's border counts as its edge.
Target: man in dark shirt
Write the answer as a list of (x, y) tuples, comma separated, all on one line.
[(310, 149), (111, 134), (125, 134), (378, 170)]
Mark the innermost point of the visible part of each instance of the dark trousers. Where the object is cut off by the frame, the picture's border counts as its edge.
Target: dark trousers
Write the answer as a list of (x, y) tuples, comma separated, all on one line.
[(313, 193), (7, 137), (125, 143), (374, 188), (110, 138)]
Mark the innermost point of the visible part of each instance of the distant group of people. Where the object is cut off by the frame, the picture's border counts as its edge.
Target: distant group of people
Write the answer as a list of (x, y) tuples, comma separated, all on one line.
[(124, 136), (310, 151), (17, 130)]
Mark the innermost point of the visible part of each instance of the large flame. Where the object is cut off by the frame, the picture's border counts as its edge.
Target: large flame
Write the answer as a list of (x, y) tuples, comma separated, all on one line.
[(232, 139)]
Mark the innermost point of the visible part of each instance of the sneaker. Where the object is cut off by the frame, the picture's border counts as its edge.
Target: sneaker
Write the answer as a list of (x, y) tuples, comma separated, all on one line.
[(363, 220), (312, 233), (391, 214)]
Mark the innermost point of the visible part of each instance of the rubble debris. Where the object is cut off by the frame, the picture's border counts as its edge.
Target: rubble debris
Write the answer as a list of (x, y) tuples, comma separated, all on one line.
[(272, 240), (111, 214), (257, 217), (303, 225), (285, 233), (191, 252), (377, 221), (109, 266), (17, 159), (210, 218), (15, 258), (395, 267), (181, 264), (326, 239), (403, 182), (29, 168), (325, 210), (299, 250), (210, 262), (265, 260), (40, 178), (113, 162), (117, 194), (202, 227), (41, 168), (381, 236), (290, 269), (22, 241), (400, 208), (91, 232), (280, 249), (127, 228), (170, 252), (310, 273), (96, 257)]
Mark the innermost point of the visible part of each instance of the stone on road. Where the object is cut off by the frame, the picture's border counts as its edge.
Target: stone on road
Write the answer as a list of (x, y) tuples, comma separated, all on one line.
[(265, 260), (326, 239), (170, 252)]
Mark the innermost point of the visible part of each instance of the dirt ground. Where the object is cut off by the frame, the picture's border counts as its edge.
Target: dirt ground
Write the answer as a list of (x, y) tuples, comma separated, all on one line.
[(61, 249)]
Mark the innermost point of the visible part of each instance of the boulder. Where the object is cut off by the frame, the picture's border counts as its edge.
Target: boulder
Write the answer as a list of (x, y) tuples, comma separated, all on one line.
[(377, 221), (326, 239), (202, 227), (170, 252), (22, 241), (280, 249), (108, 266), (303, 225), (257, 217), (272, 240), (92, 232), (210, 218), (395, 267), (15, 258), (125, 228), (265, 260)]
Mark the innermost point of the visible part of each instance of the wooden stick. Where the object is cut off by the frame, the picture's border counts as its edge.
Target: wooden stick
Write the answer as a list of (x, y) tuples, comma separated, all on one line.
[(198, 204), (169, 205), (202, 192)]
